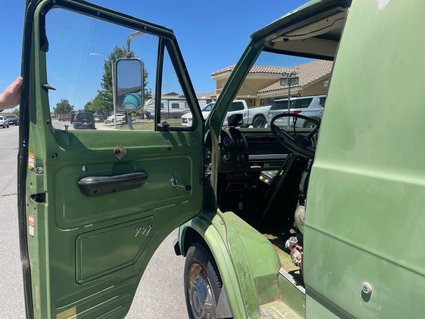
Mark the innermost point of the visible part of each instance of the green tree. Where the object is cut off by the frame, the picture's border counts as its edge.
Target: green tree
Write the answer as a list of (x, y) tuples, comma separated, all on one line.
[(105, 93), (97, 105), (63, 107), (16, 112)]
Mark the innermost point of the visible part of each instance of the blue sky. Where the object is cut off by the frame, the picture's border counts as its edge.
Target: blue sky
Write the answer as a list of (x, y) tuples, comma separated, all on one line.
[(211, 34)]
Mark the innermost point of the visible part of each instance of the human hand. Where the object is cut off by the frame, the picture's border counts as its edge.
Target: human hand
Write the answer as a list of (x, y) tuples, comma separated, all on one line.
[(10, 97)]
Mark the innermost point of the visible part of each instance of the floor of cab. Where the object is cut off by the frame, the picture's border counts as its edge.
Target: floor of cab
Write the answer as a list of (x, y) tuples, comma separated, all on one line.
[(278, 235)]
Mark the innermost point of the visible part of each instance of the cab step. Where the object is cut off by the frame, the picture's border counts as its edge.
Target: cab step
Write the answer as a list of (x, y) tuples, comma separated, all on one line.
[(277, 309)]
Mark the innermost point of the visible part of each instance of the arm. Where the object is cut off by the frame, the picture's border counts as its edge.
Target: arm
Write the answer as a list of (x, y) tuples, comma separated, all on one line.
[(10, 97)]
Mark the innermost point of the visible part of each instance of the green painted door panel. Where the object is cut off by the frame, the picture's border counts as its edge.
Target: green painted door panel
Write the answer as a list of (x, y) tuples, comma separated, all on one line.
[(175, 162), (88, 253), (110, 249), (365, 220)]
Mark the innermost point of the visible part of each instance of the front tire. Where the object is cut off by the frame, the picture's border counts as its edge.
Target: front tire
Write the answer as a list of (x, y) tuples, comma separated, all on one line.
[(311, 125), (259, 121), (202, 283)]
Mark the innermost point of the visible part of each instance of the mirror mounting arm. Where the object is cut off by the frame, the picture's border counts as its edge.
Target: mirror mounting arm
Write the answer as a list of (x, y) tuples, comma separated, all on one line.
[(129, 38)]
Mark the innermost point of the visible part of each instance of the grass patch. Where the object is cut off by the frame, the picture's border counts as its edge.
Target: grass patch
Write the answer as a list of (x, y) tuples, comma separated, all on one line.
[(149, 125)]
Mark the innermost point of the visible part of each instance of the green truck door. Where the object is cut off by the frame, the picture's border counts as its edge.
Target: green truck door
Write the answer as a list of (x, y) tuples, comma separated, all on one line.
[(95, 204)]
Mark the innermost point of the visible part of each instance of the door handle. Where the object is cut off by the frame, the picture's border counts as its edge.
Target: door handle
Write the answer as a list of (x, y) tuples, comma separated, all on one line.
[(101, 185), (176, 184)]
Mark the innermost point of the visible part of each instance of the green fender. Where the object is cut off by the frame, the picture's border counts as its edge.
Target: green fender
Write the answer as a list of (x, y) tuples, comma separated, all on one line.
[(247, 262)]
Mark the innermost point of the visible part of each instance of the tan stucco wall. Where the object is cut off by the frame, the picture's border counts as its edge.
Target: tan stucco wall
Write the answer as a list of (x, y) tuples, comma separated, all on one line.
[(219, 84), (252, 86), (317, 88)]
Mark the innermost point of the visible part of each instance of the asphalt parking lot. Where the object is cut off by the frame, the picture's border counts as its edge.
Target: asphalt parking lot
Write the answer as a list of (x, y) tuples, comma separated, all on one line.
[(160, 293)]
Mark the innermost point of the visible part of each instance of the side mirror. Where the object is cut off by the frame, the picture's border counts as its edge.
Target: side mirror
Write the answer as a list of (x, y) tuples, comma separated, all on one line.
[(235, 120), (128, 84)]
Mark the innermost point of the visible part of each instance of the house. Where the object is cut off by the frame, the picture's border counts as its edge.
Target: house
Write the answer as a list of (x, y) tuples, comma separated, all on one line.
[(262, 85)]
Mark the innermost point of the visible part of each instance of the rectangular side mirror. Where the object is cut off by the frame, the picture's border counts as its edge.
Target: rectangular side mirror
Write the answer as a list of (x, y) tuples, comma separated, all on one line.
[(128, 84), (235, 120)]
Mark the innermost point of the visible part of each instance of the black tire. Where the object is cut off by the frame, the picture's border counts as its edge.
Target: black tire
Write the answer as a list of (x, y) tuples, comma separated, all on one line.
[(259, 121), (202, 283), (309, 124)]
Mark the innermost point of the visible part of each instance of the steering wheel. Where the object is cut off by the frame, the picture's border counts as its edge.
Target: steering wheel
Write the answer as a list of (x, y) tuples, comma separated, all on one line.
[(301, 145)]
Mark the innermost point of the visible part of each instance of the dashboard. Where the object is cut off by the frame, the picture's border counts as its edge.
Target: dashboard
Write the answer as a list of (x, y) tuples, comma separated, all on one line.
[(248, 150)]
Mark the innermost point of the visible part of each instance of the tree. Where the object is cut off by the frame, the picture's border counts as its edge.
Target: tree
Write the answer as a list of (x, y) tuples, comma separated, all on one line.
[(105, 93), (15, 112), (103, 102), (63, 107), (97, 105)]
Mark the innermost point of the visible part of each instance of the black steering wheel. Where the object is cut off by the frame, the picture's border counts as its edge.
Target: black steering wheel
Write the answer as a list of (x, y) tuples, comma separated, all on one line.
[(301, 145)]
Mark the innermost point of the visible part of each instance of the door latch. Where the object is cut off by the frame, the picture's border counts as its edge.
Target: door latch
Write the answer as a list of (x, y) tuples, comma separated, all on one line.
[(176, 184)]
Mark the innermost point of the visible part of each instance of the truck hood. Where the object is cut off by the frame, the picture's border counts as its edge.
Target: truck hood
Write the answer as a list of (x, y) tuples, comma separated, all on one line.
[(188, 115)]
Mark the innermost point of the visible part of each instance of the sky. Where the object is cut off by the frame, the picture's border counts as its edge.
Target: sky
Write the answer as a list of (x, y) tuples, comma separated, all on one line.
[(211, 35)]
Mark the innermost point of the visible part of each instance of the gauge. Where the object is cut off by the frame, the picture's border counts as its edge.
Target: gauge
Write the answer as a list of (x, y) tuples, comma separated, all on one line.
[(227, 141), (227, 157)]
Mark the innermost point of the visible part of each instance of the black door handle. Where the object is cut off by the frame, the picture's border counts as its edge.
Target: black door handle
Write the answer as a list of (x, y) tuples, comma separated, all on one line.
[(101, 185)]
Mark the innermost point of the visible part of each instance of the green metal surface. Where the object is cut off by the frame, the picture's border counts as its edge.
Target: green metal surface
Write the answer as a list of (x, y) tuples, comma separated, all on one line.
[(88, 253), (365, 221), (247, 261)]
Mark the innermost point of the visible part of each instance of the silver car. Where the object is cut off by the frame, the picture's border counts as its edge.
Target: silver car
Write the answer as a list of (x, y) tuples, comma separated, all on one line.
[(310, 106), (4, 122)]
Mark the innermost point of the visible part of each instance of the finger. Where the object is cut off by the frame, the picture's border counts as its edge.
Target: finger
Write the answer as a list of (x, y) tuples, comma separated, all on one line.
[(16, 85), (18, 82)]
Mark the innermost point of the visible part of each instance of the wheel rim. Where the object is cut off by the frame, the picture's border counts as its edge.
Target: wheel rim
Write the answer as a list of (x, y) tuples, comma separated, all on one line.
[(200, 293), (259, 122), (310, 125)]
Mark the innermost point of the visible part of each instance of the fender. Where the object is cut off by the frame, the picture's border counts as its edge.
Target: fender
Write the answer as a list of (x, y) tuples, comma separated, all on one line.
[(247, 262)]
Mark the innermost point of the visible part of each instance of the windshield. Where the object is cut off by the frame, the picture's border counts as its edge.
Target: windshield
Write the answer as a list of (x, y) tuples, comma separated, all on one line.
[(273, 79), (208, 107)]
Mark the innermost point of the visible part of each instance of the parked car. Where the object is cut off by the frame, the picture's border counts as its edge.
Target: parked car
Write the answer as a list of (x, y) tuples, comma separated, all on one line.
[(98, 117), (83, 120), (121, 118), (255, 116), (310, 106), (12, 120), (4, 122), (66, 117), (187, 118)]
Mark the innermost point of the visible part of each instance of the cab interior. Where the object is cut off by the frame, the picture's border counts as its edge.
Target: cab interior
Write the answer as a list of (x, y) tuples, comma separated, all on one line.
[(262, 178)]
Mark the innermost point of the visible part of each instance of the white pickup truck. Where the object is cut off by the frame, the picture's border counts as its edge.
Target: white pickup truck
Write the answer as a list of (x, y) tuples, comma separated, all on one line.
[(255, 116)]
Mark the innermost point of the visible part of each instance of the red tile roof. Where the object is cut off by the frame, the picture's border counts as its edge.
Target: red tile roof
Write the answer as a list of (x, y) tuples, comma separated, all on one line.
[(307, 73)]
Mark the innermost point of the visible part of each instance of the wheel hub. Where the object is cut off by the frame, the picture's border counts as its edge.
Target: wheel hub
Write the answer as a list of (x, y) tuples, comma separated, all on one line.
[(201, 299)]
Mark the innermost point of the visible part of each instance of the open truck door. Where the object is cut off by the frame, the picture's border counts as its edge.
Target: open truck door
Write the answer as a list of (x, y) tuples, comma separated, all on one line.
[(95, 204)]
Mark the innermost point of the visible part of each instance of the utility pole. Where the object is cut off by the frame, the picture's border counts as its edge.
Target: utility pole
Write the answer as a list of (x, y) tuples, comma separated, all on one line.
[(288, 79)]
